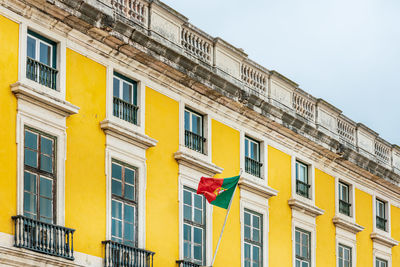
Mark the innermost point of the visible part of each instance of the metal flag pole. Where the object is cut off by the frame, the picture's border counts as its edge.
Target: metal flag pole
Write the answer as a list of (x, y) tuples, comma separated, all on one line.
[(223, 227)]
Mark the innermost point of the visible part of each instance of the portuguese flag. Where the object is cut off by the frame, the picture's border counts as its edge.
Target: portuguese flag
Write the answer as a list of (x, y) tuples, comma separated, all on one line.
[(218, 192)]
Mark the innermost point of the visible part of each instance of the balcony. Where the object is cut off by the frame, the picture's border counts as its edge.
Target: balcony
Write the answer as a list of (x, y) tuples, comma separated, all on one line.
[(41, 73), (121, 255), (43, 237), (381, 223), (302, 189), (194, 141), (344, 207), (124, 110), (186, 263), (253, 167)]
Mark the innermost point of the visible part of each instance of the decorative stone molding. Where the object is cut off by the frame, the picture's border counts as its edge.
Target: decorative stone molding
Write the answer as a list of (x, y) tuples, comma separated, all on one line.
[(128, 135), (365, 138), (257, 188), (196, 163), (304, 207), (384, 240), (347, 225), (327, 117), (27, 92), (228, 58)]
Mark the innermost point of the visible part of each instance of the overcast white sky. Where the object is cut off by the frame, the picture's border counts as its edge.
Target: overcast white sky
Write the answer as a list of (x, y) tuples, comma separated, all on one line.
[(346, 52)]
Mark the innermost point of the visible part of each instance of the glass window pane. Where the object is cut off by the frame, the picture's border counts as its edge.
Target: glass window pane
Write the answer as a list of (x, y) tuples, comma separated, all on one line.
[(247, 249), (246, 147), (30, 158), (247, 218), (116, 228), (128, 232), (187, 120), (129, 192), (46, 146), (197, 235), (29, 182), (187, 232), (196, 124), (116, 187), (340, 263), (197, 253), (186, 250), (46, 187), (198, 201), (256, 222), (31, 140), (116, 87), (116, 171), (304, 264), (198, 216), (187, 213), (298, 263), (127, 92), (45, 54), (256, 253), (187, 198), (116, 211), (129, 213), (247, 232), (129, 176), (46, 163), (297, 237), (46, 207), (254, 150), (31, 47), (256, 235), (30, 203)]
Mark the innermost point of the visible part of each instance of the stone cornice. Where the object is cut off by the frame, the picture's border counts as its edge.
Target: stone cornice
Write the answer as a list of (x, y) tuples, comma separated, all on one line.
[(347, 225), (26, 92), (384, 240), (257, 188), (127, 134), (192, 161), (305, 207)]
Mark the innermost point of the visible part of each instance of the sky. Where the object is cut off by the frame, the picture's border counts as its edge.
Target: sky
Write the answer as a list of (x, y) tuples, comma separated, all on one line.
[(345, 52)]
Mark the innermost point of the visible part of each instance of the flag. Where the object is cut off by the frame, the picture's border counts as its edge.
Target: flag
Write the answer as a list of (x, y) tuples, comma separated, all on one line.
[(218, 192)]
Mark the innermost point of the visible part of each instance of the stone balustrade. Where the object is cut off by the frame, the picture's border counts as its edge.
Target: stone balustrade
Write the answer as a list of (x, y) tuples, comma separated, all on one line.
[(134, 10), (346, 131), (383, 152), (303, 106), (253, 77), (196, 45)]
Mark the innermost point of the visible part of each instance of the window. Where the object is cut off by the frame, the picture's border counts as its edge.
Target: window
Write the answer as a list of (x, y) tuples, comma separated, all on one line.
[(302, 181), (125, 98), (39, 176), (194, 133), (253, 240), (194, 226), (303, 248), (252, 157), (344, 199), (41, 62), (124, 204), (380, 263), (381, 215), (344, 256)]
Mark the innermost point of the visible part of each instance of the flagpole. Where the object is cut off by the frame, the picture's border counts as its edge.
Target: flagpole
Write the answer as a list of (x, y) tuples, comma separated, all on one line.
[(223, 227)]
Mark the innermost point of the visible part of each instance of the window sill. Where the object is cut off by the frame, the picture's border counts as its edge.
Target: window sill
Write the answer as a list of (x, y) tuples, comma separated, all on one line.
[(52, 103), (126, 134), (257, 187), (347, 224), (192, 161), (305, 207), (384, 240)]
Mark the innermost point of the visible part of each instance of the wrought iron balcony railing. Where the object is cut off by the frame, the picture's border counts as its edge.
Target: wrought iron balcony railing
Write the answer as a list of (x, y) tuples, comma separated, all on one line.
[(44, 237), (344, 207), (41, 73), (186, 263), (194, 141), (381, 223), (303, 189), (121, 255), (125, 110), (253, 166)]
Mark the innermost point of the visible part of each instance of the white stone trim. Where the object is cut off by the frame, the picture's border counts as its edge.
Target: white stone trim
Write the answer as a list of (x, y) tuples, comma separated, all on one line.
[(257, 204), (352, 198), (311, 177), (304, 222), (381, 254), (343, 238), (135, 156), (190, 178), (53, 124), (387, 201)]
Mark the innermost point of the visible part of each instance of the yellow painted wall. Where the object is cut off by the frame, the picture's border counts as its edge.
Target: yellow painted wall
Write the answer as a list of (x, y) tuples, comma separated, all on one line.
[(280, 214), (364, 218), (85, 182), (395, 228), (226, 154), (325, 199), (8, 110), (162, 207)]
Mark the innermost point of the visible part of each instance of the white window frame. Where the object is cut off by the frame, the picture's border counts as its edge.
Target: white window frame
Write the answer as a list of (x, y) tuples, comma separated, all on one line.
[(190, 178), (256, 203), (134, 156), (338, 253), (387, 202), (349, 240), (383, 256), (307, 223), (352, 200), (37, 48), (311, 179)]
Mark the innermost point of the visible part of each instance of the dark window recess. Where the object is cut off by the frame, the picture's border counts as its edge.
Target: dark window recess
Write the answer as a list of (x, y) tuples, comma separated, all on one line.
[(185, 263), (253, 167), (194, 132), (344, 207), (125, 98), (41, 61), (252, 156), (194, 141), (302, 188), (381, 219), (43, 237), (302, 181), (120, 255)]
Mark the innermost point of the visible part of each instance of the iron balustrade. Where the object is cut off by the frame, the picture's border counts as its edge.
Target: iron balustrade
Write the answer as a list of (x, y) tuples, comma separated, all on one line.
[(381, 223), (194, 141), (121, 255), (186, 263), (125, 110), (302, 188), (44, 237), (344, 207), (41, 73), (253, 166)]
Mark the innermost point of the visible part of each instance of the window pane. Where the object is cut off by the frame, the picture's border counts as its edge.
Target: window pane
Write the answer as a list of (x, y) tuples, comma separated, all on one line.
[(127, 92), (116, 87), (247, 218), (256, 254), (31, 140), (129, 213), (46, 207), (30, 203), (116, 171), (116, 228), (256, 235), (129, 192), (187, 212), (197, 253), (256, 222), (129, 176), (187, 120), (198, 216), (46, 163), (187, 232), (116, 209), (298, 263), (128, 232), (247, 249), (30, 158), (31, 47), (254, 150), (46, 146), (297, 237), (247, 234), (246, 147), (45, 54), (340, 263), (116, 187), (196, 124), (46, 187), (29, 182), (197, 235), (198, 201), (304, 264), (186, 250), (187, 198)]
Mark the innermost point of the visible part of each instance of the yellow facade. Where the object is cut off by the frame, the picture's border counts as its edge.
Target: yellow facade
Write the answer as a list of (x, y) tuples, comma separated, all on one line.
[(86, 182)]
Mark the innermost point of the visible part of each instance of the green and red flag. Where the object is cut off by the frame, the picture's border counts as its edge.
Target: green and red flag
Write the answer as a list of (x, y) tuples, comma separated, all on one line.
[(218, 192)]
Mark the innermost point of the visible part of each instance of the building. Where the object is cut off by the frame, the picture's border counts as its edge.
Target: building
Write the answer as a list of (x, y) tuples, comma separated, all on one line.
[(112, 110)]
